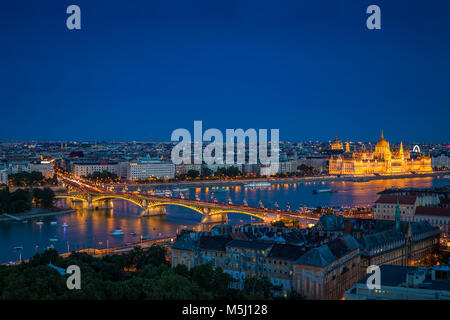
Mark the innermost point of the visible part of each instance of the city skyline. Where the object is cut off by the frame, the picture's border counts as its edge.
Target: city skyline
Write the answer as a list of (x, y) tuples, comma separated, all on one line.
[(142, 70)]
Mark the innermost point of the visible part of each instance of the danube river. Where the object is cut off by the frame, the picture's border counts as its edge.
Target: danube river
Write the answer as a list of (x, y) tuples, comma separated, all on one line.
[(92, 228)]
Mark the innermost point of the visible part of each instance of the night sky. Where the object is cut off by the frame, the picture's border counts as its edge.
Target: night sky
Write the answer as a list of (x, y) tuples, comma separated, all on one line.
[(141, 69)]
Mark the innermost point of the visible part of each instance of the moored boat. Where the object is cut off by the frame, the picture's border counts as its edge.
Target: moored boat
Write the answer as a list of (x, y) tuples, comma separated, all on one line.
[(117, 232), (317, 191), (258, 185)]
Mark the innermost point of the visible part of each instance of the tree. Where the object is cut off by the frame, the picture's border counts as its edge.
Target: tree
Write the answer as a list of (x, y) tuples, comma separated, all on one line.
[(257, 288), (192, 174), (48, 197), (43, 197), (5, 199), (20, 201), (206, 172)]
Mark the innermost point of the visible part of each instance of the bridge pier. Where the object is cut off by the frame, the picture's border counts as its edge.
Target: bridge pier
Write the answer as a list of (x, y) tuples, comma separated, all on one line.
[(211, 220), (154, 211), (102, 204)]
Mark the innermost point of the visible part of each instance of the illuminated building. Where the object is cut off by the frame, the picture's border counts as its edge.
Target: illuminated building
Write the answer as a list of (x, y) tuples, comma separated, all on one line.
[(84, 169), (44, 167), (381, 161), (150, 169), (336, 144)]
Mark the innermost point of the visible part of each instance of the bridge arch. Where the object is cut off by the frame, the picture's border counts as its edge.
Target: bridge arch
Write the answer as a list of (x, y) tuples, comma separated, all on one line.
[(100, 198), (148, 204), (200, 210), (257, 215), (135, 201), (163, 204)]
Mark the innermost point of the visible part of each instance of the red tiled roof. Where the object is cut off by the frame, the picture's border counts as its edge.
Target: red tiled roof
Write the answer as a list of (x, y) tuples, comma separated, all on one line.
[(392, 199), (239, 236), (433, 211)]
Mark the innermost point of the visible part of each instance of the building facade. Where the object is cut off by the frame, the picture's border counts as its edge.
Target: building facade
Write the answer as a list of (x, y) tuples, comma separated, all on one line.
[(291, 263), (150, 169), (84, 169), (383, 241), (44, 167), (3, 176), (380, 161), (415, 205)]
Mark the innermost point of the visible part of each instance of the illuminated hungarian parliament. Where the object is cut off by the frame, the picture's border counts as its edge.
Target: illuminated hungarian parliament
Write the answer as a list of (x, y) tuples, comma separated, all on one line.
[(381, 161)]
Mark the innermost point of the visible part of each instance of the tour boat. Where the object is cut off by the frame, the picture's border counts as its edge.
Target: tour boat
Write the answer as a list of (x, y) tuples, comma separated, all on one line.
[(65, 225), (54, 222), (167, 193), (39, 222), (117, 232), (18, 248), (180, 190), (316, 191), (219, 190), (447, 176), (258, 185), (53, 239)]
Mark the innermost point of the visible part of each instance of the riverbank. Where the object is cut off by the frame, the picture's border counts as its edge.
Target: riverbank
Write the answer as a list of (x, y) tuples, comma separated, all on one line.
[(36, 213), (202, 183)]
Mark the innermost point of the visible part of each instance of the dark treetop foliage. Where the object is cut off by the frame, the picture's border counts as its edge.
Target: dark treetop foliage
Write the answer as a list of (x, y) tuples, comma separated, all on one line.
[(138, 274)]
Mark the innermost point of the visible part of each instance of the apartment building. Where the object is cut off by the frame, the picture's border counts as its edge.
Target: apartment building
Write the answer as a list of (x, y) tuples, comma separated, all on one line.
[(383, 241), (141, 170), (430, 205), (289, 261), (44, 167), (84, 169)]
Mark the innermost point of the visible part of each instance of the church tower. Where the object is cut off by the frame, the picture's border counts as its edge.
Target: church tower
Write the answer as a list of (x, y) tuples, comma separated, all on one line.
[(347, 147)]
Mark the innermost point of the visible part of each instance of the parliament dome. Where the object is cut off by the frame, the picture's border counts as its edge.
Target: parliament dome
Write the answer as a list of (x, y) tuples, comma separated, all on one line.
[(382, 143)]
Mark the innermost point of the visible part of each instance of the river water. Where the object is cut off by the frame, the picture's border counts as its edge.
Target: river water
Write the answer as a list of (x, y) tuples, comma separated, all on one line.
[(92, 228)]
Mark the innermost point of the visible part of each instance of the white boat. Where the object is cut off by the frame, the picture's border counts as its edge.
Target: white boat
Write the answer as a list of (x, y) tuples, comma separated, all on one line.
[(54, 222), (180, 190), (258, 185), (117, 232), (166, 193), (447, 176), (53, 239), (316, 191), (39, 222), (65, 225)]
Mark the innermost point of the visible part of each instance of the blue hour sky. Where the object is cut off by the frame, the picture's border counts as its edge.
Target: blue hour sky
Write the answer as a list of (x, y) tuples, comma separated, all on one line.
[(140, 69)]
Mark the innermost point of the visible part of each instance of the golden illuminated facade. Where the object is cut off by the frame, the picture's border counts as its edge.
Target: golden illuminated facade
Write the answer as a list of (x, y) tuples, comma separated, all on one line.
[(380, 161), (336, 144)]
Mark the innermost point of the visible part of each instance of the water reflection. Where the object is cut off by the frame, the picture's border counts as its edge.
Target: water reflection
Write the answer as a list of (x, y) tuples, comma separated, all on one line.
[(92, 228)]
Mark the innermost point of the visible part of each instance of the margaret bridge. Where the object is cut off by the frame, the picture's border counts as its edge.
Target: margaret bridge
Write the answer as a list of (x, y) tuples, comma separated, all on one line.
[(212, 212)]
